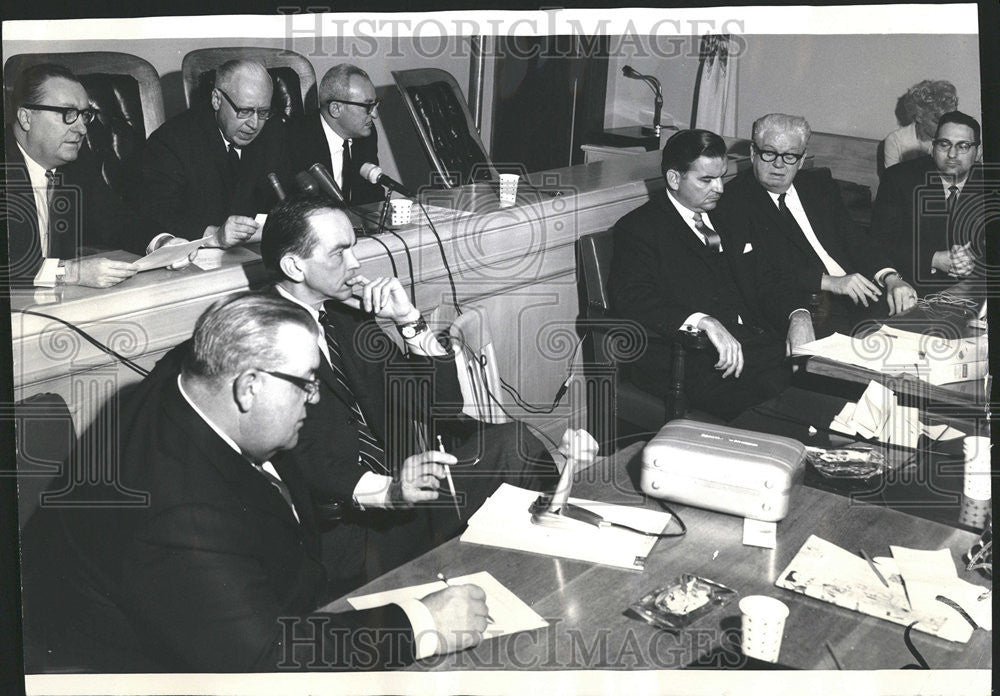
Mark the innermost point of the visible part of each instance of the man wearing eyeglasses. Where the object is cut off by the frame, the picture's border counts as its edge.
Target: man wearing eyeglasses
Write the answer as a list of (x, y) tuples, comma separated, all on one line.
[(342, 136), (929, 211), (204, 172), (57, 203), (799, 219)]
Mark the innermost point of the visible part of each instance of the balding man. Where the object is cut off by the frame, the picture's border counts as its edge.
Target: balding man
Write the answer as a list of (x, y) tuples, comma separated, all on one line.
[(204, 172), (799, 220), (217, 569), (342, 135)]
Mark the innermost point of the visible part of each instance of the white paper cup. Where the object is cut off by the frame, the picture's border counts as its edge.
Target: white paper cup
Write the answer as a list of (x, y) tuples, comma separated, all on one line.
[(973, 512), (977, 467), (401, 211), (508, 188), (763, 626)]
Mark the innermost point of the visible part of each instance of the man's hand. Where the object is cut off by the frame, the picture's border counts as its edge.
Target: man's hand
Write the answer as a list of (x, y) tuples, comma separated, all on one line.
[(98, 272), (183, 263), (957, 261), (899, 294), (855, 286), (459, 614), (800, 331), (383, 297), (729, 349), (235, 230), (421, 475)]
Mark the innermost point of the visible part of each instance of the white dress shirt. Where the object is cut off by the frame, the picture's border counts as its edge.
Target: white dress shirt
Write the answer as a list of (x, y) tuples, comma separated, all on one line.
[(336, 145), (46, 276)]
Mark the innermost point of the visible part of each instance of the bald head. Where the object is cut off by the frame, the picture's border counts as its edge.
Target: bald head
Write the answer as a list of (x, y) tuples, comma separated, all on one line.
[(241, 100), (342, 91)]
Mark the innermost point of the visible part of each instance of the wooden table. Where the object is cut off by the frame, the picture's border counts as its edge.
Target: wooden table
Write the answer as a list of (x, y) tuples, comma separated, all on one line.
[(584, 603)]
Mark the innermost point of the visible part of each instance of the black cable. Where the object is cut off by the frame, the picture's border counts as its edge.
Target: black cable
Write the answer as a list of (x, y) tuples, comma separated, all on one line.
[(388, 252), (90, 339), (444, 257), (409, 263), (661, 535)]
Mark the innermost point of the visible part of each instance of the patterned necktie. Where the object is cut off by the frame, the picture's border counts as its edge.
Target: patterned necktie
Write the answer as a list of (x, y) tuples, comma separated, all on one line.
[(279, 484), (952, 199), (371, 454), (50, 195), (712, 239), (346, 171)]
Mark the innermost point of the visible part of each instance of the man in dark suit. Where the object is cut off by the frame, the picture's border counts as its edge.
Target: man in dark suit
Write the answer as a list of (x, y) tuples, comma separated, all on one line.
[(342, 135), (674, 268), (204, 172), (800, 222), (58, 207), (943, 242), (358, 448), (209, 562)]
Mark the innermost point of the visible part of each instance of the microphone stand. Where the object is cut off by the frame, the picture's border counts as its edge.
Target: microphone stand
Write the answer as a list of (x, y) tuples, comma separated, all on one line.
[(654, 84), (385, 210)]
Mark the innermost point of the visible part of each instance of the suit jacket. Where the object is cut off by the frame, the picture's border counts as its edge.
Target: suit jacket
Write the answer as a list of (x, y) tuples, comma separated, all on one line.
[(308, 144), (746, 201), (911, 239), (198, 575), (186, 180), (94, 217)]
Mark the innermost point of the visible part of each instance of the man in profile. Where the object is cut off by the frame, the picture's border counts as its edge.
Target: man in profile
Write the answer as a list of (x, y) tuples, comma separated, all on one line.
[(217, 570), (930, 211), (342, 135), (675, 267), (204, 172), (58, 206)]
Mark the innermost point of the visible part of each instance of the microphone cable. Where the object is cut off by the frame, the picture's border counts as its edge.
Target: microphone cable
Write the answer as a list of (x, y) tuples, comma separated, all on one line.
[(444, 257)]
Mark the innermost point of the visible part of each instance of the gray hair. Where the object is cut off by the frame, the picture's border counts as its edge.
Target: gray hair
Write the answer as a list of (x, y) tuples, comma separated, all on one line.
[(782, 123), (227, 73), (240, 332), (337, 81)]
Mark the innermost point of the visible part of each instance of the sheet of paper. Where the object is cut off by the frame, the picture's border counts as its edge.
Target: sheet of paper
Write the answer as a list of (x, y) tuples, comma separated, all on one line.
[(260, 219), (509, 613), (931, 573), (504, 521), (166, 255), (872, 412), (211, 258), (758, 533)]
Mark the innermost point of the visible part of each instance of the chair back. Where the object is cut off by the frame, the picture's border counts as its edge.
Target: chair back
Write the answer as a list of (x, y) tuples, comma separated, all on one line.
[(293, 76), (447, 131), (43, 438)]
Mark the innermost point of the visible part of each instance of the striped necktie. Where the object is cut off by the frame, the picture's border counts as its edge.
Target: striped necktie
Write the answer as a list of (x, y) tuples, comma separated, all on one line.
[(712, 239), (371, 454), (279, 485)]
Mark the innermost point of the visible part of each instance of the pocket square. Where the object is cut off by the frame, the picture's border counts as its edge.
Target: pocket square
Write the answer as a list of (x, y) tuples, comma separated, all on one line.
[(748, 248)]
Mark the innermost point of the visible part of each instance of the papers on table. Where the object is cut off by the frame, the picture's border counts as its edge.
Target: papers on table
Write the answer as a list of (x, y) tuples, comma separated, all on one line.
[(504, 521), (509, 613), (168, 254), (878, 416), (211, 258), (825, 571), (893, 351)]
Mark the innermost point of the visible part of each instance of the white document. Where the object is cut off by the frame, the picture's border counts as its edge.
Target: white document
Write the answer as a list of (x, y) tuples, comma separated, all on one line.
[(509, 613), (260, 220), (210, 258), (504, 521), (168, 254)]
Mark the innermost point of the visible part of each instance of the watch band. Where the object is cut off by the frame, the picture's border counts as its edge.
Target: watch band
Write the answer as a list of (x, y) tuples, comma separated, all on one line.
[(411, 329)]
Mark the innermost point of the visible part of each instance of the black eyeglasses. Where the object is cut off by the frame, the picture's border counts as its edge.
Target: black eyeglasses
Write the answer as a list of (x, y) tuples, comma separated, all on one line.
[(309, 386), (945, 145), (370, 107), (69, 113), (244, 112), (771, 155)]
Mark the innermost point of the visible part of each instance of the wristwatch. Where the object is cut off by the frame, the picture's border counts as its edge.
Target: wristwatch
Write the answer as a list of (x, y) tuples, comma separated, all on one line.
[(413, 328)]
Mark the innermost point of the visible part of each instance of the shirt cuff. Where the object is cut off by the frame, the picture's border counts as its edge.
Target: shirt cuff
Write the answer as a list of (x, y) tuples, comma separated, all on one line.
[(158, 241), (800, 309), (691, 323), (884, 273), (372, 490), (426, 343), (46, 276), (425, 637)]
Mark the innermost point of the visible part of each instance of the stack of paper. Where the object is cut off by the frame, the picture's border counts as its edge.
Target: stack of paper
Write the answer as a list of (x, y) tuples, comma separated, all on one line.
[(877, 416), (825, 571), (504, 521)]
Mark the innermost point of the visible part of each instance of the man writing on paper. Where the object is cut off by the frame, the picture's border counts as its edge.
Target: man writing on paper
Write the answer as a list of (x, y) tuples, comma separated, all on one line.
[(218, 569), (674, 266), (204, 172), (57, 203), (378, 481), (342, 135), (930, 211), (799, 219)]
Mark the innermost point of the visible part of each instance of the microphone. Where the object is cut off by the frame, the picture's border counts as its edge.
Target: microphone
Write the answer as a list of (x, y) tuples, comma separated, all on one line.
[(326, 183), (374, 175), (306, 183), (276, 185)]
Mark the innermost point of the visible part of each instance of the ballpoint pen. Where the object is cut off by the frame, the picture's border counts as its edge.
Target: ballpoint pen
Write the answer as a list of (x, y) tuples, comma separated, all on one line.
[(451, 483), (864, 554), (446, 581)]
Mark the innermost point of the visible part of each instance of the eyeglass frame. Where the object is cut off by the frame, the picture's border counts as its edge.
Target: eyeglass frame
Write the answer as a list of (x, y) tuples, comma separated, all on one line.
[(89, 113), (263, 112), (967, 144), (370, 107), (797, 157), (309, 386)]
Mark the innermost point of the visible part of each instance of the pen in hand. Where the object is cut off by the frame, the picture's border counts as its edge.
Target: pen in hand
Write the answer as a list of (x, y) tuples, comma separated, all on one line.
[(446, 581), (451, 483)]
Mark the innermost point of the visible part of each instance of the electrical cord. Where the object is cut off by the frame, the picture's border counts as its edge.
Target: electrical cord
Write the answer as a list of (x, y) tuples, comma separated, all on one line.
[(409, 263), (444, 257), (388, 252)]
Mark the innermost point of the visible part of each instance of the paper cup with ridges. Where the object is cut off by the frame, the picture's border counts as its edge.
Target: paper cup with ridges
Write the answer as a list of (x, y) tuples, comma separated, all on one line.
[(977, 467), (402, 208), (763, 626), (508, 188)]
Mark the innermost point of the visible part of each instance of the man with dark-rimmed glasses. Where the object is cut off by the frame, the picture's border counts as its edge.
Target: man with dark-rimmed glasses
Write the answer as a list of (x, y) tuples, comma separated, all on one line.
[(798, 219), (204, 172), (58, 207), (342, 135)]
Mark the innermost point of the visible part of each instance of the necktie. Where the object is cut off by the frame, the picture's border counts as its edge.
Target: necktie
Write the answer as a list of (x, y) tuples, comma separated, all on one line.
[(370, 452), (712, 239), (278, 484), (952, 199), (347, 171), (234, 159), (787, 215), (50, 195)]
